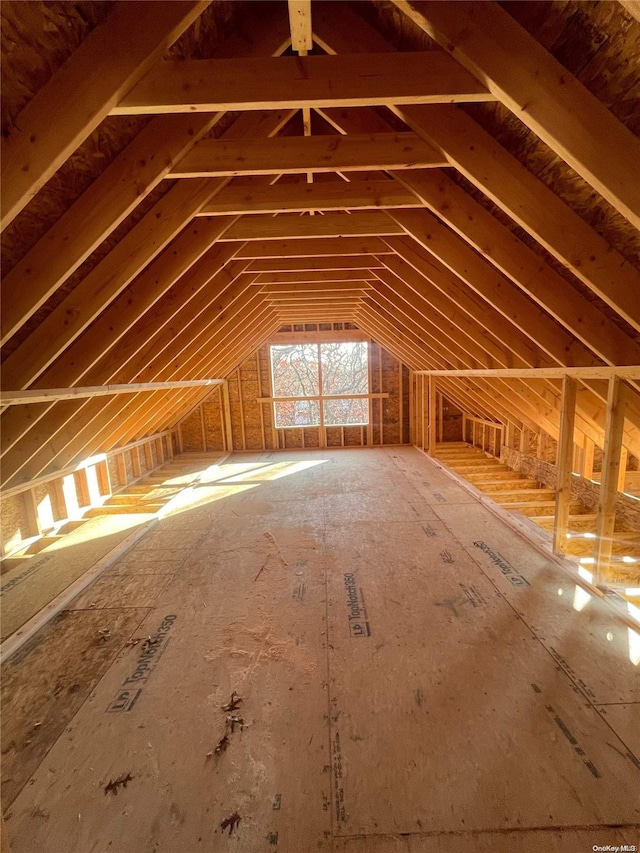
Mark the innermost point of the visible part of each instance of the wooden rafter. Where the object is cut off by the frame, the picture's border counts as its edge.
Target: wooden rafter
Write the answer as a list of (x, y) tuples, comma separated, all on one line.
[(128, 259), (499, 175), (116, 192), (83, 92), (540, 91)]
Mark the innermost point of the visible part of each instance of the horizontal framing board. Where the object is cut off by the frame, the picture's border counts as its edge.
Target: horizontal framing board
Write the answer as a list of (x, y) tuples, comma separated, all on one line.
[(288, 82), (285, 155)]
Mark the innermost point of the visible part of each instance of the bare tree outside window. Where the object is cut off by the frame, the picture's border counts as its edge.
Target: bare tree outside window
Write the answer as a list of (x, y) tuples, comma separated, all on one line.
[(319, 371)]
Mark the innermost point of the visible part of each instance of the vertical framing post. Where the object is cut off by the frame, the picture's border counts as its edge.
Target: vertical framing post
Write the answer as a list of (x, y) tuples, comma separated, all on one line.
[(241, 408), (422, 413), (464, 427), (380, 413), (104, 478), (577, 457), (168, 446), (31, 511), (322, 430), (624, 458), (565, 463), (400, 404), (432, 409), (81, 486), (370, 379), (121, 468), (61, 499), (136, 463), (412, 426), (203, 428), (148, 455), (440, 419), (226, 405), (587, 458), (616, 406), (259, 377)]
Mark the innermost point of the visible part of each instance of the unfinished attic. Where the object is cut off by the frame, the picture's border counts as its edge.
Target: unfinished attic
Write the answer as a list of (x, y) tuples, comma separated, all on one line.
[(320, 426)]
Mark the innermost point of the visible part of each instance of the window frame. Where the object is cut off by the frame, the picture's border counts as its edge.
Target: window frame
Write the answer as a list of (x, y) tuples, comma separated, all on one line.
[(321, 398)]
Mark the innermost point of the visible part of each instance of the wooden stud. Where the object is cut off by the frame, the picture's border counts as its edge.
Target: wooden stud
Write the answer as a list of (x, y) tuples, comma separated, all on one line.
[(104, 477), (136, 462), (380, 418), (228, 428), (121, 467), (31, 511), (370, 386), (61, 499), (616, 406), (148, 456), (432, 409), (259, 377), (400, 403), (203, 427), (624, 455), (238, 377), (81, 485), (564, 464)]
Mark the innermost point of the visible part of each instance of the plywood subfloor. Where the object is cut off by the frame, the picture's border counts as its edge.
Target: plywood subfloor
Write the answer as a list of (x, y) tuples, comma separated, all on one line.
[(27, 588), (414, 679)]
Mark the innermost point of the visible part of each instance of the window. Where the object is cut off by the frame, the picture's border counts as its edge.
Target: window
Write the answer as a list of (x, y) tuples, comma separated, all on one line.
[(331, 381)]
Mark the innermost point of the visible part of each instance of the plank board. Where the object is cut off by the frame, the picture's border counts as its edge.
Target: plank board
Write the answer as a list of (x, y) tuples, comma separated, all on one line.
[(395, 697)]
